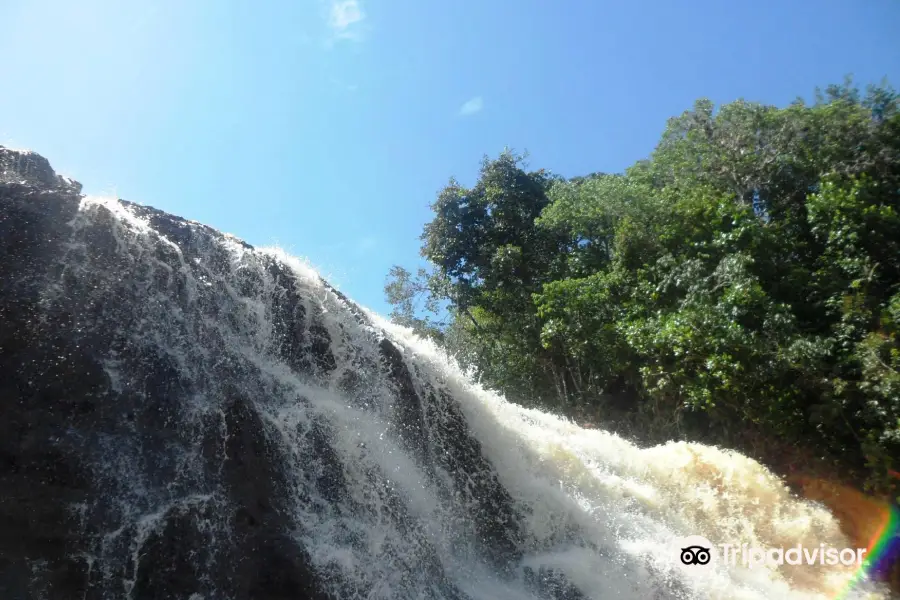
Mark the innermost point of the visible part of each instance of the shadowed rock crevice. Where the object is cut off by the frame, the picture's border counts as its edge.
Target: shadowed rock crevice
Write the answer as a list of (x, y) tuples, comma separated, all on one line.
[(490, 506), (410, 424), (267, 562)]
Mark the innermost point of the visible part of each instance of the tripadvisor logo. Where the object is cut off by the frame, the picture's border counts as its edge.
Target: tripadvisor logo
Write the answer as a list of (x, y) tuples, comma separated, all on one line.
[(696, 552), (696, 555)]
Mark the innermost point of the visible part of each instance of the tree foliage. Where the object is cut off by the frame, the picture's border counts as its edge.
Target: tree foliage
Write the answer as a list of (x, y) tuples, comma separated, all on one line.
[(747, 274)]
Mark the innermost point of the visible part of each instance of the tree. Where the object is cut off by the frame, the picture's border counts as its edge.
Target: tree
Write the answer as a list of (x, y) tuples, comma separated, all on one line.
[(746, 276)]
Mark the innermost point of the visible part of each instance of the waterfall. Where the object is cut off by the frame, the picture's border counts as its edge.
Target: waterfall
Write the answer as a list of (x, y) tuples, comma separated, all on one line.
[(190, 417)]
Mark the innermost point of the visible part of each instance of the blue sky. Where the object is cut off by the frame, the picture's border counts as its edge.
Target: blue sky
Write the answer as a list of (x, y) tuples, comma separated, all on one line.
[(328, 126)]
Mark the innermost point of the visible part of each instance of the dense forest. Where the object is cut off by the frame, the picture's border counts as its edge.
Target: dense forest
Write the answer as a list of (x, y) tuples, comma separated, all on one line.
[(741, 286)]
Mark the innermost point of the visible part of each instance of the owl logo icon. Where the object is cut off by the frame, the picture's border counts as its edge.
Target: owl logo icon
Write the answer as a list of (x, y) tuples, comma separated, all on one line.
[(695, 555)]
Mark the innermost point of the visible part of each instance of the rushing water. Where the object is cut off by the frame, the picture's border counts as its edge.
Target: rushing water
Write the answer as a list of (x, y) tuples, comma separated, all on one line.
[(417, 485)]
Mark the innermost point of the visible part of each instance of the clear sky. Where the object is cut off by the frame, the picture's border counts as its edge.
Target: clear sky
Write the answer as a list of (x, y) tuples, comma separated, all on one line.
[(328, 126)]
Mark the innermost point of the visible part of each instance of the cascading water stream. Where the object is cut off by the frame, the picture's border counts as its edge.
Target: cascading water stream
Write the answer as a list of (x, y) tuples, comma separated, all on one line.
[(247, 409)]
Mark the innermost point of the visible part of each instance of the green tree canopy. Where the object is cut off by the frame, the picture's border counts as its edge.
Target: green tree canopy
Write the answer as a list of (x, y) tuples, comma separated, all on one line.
[(747, 274)]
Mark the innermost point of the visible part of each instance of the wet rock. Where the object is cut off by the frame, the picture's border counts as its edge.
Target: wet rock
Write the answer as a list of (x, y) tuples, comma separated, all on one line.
[(33, 171), (156, 440), (148, 374), (111, 485)]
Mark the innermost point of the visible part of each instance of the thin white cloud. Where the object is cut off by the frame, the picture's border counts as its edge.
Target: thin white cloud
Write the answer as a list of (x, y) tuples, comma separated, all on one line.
[(344, 17), (471, 107)]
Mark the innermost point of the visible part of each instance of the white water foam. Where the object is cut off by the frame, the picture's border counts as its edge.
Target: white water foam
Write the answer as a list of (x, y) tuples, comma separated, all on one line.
[(645, 497)]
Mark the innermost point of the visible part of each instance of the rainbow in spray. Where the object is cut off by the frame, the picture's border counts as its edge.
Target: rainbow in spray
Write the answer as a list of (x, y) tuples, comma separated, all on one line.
[(882, 551)]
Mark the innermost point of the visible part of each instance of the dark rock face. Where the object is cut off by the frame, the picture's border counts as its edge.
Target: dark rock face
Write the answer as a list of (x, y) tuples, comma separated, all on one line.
[(41, 472), (33, 171), (169, 427)]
